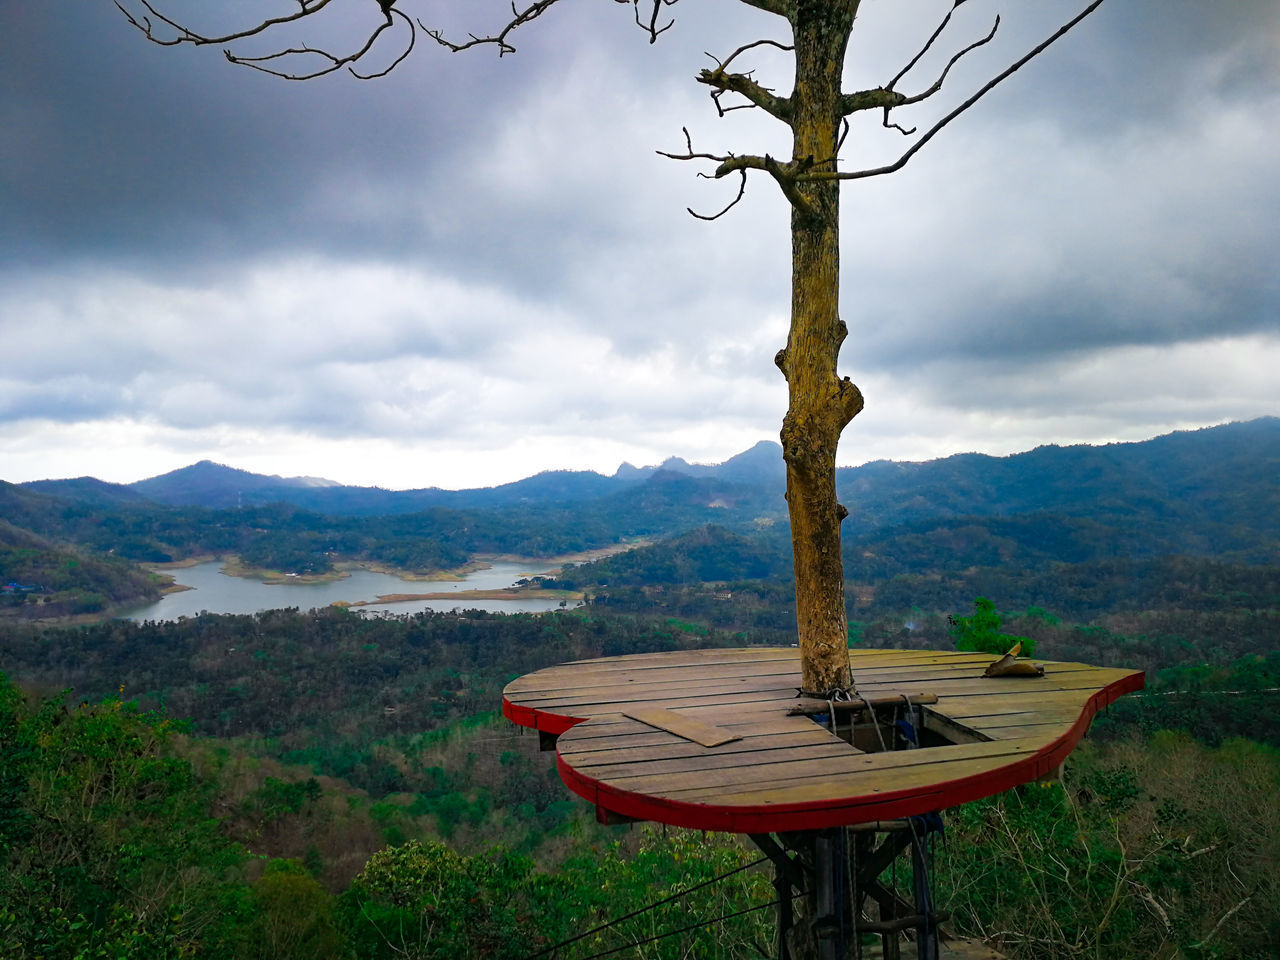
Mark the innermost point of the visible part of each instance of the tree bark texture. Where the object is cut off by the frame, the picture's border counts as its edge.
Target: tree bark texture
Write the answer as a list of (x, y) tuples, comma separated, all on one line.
[(820, 402)]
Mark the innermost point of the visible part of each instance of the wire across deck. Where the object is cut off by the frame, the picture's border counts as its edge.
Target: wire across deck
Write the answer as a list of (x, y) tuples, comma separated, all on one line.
[(783, 772)]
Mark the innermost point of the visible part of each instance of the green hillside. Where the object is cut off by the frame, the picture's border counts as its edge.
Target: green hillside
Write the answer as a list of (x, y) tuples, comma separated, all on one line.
[(43, 579)]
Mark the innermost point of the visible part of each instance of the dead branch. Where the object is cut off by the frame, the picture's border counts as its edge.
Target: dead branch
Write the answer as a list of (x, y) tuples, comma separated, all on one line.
[(164, 30), (982, 92), (652, 27), (743, 85), (925, 49), (689, 154), (888, 98), (334, 62), (518, 19), (937, 84), (742, 189), (306, 8), (723, 64), (1218, 926), (786, 175)]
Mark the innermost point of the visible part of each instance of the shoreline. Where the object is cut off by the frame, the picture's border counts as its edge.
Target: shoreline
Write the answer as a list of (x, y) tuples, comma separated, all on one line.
[(232, 566), (500, 593)]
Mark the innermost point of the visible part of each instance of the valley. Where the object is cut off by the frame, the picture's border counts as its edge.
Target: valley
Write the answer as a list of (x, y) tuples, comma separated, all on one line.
[(336, 730)]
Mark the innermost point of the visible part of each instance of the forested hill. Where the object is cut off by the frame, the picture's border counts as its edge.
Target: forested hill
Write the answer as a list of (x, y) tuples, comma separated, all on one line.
[(1226, 474), (1201, 467), (1209, 493)]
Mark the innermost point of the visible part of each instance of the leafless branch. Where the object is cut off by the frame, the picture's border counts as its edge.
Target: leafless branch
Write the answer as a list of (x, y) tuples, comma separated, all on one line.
[(334, 62), (1225, 917), (518, 19), (901, 101), (306, 8), (925, 49), (887, 98), (723, 64), (982, 92), (937, 84), (742, 189), (689, 154), (894, 126), (743, 84), (652, 27), (413, 38), (183, 34), (785, 174)]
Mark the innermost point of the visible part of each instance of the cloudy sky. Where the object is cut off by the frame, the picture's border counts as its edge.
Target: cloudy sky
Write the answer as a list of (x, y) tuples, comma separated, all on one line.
[(475, 269)]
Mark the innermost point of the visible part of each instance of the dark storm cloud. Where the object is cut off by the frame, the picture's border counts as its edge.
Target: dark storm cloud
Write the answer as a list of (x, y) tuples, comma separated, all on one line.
[(474, 248)]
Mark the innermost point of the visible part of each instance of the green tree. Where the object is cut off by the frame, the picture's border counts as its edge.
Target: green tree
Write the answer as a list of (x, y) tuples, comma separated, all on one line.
[(109, 848), (980, 633), (295, 915), (423, 901)]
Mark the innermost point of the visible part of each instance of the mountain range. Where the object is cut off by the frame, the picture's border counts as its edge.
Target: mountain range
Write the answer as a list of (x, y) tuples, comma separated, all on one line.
[(1192, 476), (1210, 493)]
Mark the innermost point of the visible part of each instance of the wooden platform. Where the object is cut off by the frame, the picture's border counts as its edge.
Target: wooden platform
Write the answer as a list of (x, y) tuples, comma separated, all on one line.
[(773, 772)]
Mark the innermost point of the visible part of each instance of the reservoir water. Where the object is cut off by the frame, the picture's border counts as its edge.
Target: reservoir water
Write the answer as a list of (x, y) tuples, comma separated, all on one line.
[(215, 592)]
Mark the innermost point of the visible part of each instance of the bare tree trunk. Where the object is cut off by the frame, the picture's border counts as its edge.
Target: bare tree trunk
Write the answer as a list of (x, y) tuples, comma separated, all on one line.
[(820, 402)]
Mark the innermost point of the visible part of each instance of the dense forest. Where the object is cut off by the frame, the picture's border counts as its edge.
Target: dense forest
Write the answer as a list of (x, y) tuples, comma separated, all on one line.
[(299, 770), (331, 784)]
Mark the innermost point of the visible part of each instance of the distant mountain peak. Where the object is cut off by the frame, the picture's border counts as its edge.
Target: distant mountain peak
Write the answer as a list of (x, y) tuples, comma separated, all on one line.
[(209, 469), (755, 463)]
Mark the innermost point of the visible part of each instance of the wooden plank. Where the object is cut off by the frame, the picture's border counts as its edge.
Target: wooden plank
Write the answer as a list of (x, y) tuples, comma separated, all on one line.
[(713, 767), (574, 705), (857, 772), (854, 786), (565, 678), (595, 750), (874, 670), (690, 728), (1015, 685), (1065, 717), (665, 685), (1023, 730), (713, 663), (962, 707), (691, 657), (953, 685), (656, 753), (681, 696)]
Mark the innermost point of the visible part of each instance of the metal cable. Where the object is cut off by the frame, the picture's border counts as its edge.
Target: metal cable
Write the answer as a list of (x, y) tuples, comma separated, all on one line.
[(654, 905), (692, 926)]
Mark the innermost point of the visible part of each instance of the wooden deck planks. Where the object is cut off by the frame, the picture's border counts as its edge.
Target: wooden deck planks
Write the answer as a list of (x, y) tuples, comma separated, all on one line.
[(718, 768), (647, 753), (791, 762), (871, 771)]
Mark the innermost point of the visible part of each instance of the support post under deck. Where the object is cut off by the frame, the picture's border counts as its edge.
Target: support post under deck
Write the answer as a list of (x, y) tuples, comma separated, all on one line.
[(846, 894)]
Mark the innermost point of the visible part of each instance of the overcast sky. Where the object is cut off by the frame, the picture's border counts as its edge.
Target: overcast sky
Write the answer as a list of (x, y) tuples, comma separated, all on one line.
[(475, 269)]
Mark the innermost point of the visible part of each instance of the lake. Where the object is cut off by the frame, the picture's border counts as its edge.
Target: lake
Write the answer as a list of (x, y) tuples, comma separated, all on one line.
[(215, 592)]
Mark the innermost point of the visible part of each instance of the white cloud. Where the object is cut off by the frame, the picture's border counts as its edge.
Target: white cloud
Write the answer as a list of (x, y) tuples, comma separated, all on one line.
[(478, 269)]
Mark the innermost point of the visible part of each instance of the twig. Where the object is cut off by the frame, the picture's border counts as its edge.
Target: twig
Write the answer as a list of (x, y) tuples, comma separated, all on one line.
[(1218, 926)]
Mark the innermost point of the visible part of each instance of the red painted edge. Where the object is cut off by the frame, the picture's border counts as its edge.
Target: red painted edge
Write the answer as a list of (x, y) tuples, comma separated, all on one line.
[(553, 723), (817, 814)]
